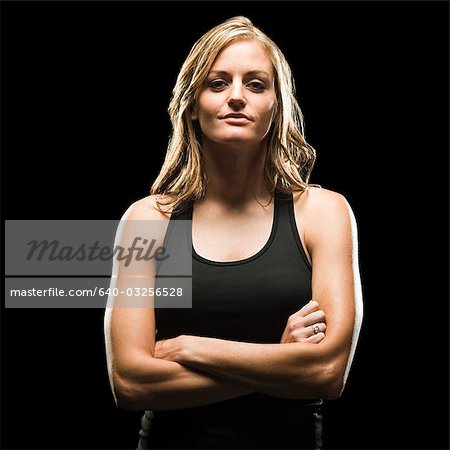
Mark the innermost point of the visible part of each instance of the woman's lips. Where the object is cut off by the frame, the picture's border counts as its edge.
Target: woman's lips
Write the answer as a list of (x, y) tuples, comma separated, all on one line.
[(236, 120)]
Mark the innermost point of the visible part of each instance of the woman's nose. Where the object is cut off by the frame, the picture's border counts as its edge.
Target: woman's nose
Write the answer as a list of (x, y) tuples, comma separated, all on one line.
[(237, 97)]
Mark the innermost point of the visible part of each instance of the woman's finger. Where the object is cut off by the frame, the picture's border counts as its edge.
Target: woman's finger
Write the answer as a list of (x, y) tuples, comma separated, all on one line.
[(315, 338), (314, 317), (316, 328), (310, 307)]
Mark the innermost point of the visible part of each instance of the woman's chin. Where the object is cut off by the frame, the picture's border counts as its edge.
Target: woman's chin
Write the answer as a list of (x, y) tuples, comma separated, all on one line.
[(237, 139)]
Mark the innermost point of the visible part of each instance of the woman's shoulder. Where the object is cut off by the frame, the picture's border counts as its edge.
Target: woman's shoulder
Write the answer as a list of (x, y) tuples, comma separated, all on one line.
[(146, 208), (317, 204), (318, 197)]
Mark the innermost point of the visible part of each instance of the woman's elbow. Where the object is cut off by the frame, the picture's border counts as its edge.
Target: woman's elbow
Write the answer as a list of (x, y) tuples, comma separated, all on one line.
[(324, 382), (126, 395), (332, 383)]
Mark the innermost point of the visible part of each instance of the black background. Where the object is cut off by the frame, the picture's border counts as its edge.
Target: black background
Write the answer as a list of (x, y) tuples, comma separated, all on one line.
[(85, 89)]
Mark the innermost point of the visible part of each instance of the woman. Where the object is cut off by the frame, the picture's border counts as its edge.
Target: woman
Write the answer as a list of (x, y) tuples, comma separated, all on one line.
[(249, 365)]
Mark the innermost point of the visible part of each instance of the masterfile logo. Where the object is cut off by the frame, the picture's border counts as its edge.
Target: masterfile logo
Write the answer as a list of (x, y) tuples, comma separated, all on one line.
[(85, 263)]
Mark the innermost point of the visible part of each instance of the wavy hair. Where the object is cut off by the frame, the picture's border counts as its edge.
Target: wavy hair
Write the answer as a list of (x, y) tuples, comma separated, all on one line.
[(289, 159)]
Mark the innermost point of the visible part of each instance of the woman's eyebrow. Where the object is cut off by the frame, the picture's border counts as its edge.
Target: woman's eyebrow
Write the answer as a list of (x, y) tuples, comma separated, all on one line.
[(249, 73)]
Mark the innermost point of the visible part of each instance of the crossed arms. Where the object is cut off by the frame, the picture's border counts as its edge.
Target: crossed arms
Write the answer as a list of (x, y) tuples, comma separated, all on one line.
[(190, 371)]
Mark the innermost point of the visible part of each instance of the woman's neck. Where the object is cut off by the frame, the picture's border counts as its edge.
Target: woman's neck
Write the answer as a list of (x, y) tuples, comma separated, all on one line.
[(235, 174)]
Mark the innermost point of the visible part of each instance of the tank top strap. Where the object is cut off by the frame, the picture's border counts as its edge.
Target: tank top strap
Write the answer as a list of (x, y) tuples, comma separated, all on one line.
[(288, 226), (183, 211), (283, 235), (285, 206)]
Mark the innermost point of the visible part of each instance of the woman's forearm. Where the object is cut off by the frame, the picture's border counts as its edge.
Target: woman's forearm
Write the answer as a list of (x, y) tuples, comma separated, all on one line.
[(156, 384), (294, 370)]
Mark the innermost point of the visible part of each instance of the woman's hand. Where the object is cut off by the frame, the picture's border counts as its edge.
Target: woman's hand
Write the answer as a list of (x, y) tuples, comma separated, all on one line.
[(306, 325), (175, 349)]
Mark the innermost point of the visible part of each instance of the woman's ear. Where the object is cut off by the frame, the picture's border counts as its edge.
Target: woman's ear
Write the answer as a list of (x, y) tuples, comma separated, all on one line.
[(193, 111)]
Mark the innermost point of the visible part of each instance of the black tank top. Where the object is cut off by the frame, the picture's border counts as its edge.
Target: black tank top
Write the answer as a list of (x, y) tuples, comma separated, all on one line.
[(248, 300)]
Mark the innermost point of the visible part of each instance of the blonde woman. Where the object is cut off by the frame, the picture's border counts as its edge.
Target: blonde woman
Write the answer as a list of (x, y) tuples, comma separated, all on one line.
[(276, 293)]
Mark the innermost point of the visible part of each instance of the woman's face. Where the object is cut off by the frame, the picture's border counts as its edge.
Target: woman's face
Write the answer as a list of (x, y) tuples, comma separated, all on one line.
[(237, 100)]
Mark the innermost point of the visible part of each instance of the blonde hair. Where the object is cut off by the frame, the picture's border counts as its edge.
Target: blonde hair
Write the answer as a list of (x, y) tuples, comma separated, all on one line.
[(289, 159)]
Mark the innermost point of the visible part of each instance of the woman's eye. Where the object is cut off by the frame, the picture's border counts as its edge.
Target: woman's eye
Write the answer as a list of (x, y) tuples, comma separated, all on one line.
[(217, 84), (256, 86)]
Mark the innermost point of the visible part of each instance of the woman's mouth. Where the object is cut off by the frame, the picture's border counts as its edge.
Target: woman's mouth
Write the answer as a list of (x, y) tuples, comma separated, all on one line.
[(236, 119)]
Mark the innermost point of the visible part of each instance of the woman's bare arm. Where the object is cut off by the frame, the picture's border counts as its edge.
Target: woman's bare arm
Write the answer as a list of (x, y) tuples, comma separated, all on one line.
[(297, 370), (139, 380)]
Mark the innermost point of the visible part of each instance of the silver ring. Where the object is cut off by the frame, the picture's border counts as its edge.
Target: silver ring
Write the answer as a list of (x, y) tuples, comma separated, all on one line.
[(316, 329)]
